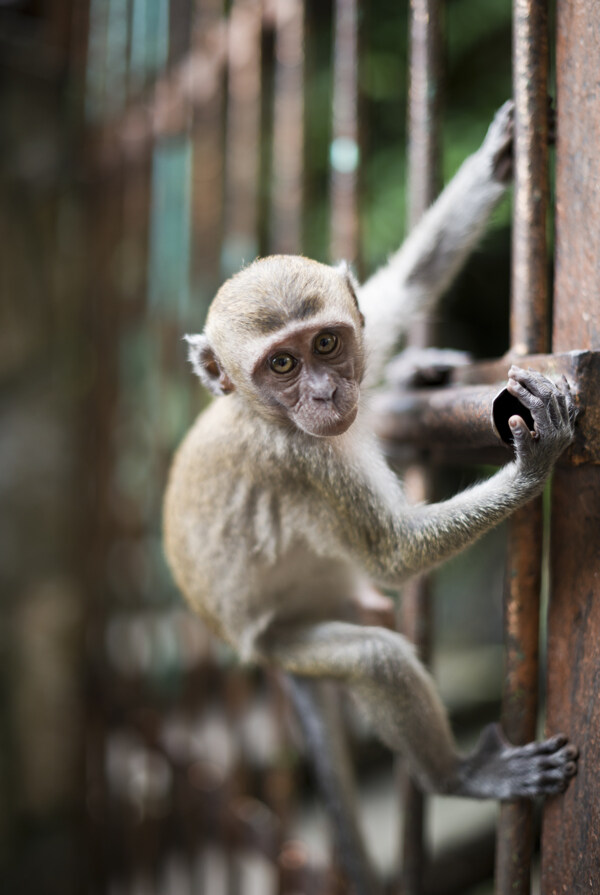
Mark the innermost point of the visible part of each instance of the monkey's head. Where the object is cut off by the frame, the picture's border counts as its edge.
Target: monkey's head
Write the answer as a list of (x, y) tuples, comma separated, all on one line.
[(286, 334)]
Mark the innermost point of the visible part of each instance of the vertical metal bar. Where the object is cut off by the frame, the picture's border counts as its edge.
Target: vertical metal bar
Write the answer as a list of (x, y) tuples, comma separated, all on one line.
[(514, 845), (424, 144), (424, 125), (424, 156), (529, 334), (243, 135), (571, 822), (344, 151), (529, 307), (207, 164), (288, 127)]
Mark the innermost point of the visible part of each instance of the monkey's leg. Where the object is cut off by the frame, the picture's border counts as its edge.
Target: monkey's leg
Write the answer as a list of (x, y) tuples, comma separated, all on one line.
[(324, 739), (399, 698)]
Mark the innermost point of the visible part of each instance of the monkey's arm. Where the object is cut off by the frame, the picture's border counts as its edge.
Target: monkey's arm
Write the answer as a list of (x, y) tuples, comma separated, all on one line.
[(394, 544), (418, 274)]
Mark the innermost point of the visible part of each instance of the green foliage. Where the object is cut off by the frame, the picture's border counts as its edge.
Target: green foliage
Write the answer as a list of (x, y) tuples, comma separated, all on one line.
[(477, 82)]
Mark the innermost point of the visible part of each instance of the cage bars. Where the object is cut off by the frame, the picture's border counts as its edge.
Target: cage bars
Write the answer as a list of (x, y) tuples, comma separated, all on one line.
[(243, 136), (288, 128), (208, 136), (345, 147), (528, 335), (571, 823)]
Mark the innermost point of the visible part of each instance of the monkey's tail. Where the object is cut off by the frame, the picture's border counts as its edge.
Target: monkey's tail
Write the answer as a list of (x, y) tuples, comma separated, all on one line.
[(318, 713)]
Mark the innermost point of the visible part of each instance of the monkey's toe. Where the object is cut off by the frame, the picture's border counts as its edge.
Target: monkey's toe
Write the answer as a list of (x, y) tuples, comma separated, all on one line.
[(567, 755), (557, 766)]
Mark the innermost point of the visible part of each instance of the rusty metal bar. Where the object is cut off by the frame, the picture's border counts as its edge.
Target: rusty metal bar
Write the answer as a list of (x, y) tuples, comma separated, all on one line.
[(424, 157), (421, 420), (243, 135), (426, 62), (577, 281), (529, 305), (207, 179), (344, 150), (529, 333), (571, 822), (424, 128), (288, 128), (523, 574), (460, 416), (415, 617)]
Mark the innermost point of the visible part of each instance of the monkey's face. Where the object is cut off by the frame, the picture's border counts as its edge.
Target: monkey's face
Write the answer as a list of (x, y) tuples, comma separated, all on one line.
[(286, 334), (310, 375)]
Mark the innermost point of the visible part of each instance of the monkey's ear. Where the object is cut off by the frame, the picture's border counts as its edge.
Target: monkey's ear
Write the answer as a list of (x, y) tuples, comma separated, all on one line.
[(353, 285), (206, 366)]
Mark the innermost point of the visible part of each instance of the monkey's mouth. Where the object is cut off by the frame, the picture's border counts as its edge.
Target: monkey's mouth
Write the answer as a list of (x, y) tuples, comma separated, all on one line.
[(330, 422)]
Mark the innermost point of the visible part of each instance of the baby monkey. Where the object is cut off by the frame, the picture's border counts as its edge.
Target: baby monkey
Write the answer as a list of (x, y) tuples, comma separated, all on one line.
[(281, 511)]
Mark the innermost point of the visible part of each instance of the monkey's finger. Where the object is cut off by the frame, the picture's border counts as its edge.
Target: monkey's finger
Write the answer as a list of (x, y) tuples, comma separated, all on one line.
[(544, 747), (570, 407), (550, 395), (554, 410), (505, 114), (535, 382), (554, 758), (545, 407), (533, 403), (501, 130), (565, 405), (558, 395), (523, 437)]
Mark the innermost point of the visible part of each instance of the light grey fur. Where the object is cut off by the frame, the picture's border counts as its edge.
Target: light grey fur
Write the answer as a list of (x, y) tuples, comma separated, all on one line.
[(274, 535)]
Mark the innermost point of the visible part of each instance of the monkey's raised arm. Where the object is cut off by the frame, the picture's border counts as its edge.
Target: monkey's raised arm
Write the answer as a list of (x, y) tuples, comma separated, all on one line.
[(418, 273), (395, 542)]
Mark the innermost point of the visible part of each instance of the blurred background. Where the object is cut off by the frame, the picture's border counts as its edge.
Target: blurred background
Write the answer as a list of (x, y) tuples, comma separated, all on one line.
[(148, 148)]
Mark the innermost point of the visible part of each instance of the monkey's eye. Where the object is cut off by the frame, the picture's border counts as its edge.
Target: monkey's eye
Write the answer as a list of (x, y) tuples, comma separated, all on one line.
[(282, 363), (325, 343)]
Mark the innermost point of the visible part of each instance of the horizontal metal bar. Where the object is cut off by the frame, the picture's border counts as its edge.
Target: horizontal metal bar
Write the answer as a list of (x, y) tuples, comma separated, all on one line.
[(457, 418), (425, 417)]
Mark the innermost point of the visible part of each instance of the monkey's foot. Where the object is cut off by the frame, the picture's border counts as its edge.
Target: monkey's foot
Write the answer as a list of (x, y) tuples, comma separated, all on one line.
[(498, 770)]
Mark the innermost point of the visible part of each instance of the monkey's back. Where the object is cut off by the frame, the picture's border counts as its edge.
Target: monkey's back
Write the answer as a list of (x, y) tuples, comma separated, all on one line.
[(236, 516)]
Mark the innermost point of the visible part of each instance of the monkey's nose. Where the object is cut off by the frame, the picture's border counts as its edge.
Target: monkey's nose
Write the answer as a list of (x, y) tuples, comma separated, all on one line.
[(324, 393)]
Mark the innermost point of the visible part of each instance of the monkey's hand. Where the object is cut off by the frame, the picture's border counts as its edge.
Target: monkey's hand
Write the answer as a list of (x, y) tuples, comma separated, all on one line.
[(553, 410), (498, 142), (499, 139)]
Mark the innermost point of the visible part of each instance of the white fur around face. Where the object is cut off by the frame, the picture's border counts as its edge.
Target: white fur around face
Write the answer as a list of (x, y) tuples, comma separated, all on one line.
[(199, 354)]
